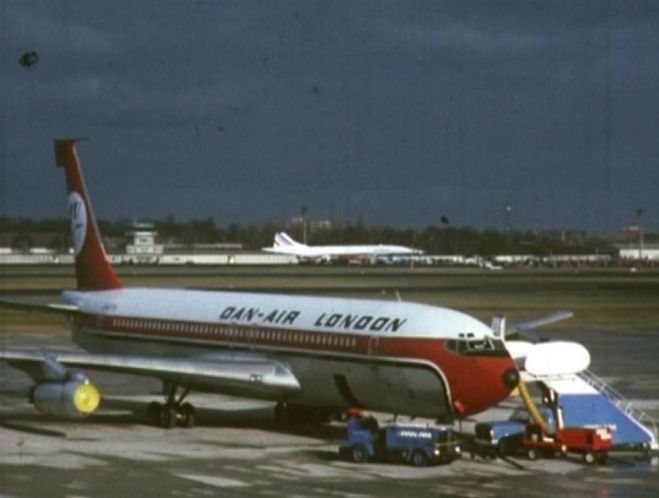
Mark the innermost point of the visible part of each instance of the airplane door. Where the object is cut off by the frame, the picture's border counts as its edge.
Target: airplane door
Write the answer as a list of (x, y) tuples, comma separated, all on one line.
[(373, 343)]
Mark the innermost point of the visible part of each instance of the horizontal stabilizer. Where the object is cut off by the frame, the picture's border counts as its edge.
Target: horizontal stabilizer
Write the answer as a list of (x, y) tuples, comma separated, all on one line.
[(519, 327), (37, 306)]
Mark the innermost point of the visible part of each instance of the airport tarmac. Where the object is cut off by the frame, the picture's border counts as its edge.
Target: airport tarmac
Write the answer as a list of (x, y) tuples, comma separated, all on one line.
[(236, 449)]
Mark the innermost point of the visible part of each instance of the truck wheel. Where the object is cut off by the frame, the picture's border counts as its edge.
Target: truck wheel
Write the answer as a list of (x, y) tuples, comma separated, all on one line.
[(532, 454), (602, 457), (358, 453), (419, 458), (505, 448), (589, 457)]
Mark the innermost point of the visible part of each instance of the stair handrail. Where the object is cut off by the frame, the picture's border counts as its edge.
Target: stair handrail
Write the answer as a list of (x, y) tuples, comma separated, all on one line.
[(619, 399)]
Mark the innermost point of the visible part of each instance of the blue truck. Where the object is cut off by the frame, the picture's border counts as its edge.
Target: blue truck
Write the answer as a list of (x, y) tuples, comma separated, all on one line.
[(505, 437), (417, 444)]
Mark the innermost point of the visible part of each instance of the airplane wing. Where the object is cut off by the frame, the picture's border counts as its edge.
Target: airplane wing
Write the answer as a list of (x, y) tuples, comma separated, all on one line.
[(241, 376), (522, 327)]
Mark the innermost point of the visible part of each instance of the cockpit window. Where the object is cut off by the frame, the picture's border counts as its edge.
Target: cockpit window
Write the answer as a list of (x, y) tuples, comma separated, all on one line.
[(467, 344)]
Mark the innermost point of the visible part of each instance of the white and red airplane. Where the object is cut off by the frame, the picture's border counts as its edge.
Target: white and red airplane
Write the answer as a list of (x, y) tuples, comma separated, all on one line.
[(310, 354), (285, 244)]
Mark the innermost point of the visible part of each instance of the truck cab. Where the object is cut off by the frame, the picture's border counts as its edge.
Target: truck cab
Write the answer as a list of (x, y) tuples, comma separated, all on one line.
[(505, 437), (417, 444)]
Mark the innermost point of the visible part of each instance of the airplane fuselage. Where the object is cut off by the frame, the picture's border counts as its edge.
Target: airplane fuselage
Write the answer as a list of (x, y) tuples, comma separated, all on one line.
[(348, 250), (285, 244), (394, 356)]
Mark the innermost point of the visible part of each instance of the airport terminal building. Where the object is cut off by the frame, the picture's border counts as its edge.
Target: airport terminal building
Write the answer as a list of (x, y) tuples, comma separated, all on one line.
[(144, 250)]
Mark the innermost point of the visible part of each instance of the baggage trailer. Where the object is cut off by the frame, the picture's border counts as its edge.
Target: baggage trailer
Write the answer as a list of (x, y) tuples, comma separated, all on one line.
[(593, 443), (417, 444)]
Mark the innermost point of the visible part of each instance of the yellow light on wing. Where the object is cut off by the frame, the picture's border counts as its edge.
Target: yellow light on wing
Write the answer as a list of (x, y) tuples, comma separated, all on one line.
[(86, 398)]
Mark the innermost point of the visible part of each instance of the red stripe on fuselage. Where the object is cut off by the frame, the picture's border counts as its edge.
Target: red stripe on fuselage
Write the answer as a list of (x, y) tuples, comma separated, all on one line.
[(475, 380)]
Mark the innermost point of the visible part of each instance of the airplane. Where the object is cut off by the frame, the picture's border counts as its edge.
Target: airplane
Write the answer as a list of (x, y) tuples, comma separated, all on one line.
[(285, 244), (313, 356)]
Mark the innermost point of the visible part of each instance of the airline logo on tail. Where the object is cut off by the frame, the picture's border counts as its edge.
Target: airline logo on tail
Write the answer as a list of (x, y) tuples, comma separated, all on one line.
[(78, 217), (282, 239)]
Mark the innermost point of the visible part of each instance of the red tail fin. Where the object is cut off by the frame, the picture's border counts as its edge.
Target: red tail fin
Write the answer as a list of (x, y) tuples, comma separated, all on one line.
[(93, 271)]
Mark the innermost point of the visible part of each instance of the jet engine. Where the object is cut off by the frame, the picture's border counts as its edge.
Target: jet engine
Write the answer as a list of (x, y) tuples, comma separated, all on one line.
[(75, 398)]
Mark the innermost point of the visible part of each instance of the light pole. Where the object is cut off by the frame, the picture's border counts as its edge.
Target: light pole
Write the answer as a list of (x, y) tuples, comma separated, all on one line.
[(304, 210), (507, 218), (639, 214)]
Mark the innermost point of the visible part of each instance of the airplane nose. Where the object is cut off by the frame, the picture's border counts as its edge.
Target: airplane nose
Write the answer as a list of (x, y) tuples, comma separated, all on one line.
[(510, 378)]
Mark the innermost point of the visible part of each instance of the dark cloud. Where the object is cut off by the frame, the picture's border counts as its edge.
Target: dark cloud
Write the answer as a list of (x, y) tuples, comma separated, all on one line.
[(401, 112)]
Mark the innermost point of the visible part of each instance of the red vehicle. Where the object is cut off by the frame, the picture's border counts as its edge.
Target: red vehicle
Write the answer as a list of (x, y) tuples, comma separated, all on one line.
[(593, 443)]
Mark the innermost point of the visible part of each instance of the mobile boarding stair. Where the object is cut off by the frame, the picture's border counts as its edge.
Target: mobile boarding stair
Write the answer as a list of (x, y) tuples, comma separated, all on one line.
[(581, 398)]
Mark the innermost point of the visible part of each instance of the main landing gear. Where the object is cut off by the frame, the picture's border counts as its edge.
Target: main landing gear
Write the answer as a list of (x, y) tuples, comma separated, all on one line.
[(174, 412)]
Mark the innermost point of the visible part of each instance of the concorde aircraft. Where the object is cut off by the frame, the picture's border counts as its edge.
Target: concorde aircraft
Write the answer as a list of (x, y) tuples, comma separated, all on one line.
[(309, 354), (285, 244)]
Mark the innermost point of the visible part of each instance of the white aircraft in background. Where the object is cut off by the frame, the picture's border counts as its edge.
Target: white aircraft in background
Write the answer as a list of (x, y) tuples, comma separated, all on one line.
[(285, 244), (312, 355)]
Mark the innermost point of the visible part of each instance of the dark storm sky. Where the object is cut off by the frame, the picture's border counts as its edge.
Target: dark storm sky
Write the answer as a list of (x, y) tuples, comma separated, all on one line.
[(400, 112)]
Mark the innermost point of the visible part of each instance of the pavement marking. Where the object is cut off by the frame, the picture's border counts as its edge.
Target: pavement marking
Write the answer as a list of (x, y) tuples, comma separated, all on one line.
[(220, 482)]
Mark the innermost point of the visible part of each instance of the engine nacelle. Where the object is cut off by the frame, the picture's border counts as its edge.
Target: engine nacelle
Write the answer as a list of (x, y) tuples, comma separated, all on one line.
[(71, 399)]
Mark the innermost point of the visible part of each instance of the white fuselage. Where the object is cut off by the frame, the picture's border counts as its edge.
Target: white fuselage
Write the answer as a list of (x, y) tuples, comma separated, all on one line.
[(382, 355), (350, 250)]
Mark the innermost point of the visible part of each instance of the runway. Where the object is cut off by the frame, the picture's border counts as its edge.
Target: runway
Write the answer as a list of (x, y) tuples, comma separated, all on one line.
[(238, 450)]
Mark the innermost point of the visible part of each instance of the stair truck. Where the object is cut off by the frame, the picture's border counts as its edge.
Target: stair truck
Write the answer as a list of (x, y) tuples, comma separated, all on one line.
[(540, 431), (588, 416), (416, 444)]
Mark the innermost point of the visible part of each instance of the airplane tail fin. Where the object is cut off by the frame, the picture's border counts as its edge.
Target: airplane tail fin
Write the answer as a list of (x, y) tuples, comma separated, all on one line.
[(93, 271), (283, 240)]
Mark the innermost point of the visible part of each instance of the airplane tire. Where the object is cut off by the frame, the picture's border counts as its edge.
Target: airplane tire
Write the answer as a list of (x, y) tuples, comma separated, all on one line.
[(168, 417), (358, 453), (153, 413), (419, 458), (187, 414)]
